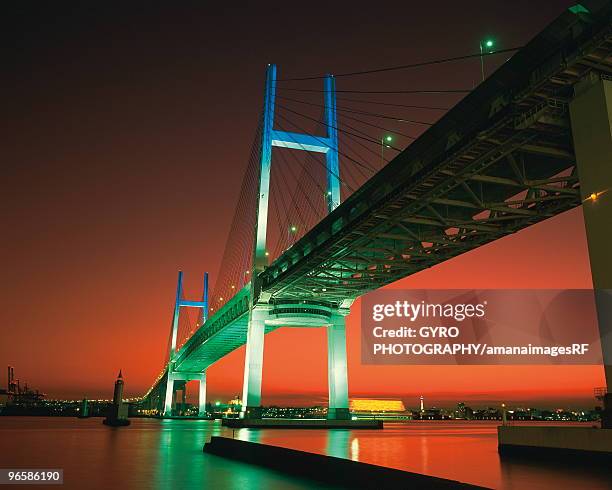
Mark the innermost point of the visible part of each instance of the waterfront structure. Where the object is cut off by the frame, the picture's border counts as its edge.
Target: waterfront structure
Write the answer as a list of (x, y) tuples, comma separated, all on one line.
[(530, 142), (118, 411), (375, 405), (16, 394), (463, 412), (370, 407)]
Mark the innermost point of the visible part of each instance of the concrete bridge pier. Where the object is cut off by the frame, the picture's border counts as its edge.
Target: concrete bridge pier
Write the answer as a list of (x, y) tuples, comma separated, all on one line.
[(302, 315), (253, 363), (591, 119), (171, 385), (169, 395), (337, 375), (202, 396)]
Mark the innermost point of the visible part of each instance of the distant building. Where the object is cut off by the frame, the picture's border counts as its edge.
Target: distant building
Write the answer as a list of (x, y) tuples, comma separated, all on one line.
[(379, 408), (432, 413), (487, 414), (3, 398), (236, 402), (18, 395), (372, 405), (464, 412), (316, 412)]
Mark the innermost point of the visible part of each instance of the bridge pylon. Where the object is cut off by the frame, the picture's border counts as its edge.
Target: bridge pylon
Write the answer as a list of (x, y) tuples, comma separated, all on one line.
[(173, 376), (591, 119), (267, 311)]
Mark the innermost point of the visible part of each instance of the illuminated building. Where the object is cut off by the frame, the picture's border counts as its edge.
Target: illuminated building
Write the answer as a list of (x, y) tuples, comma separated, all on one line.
[(362, 407), (236, 401)]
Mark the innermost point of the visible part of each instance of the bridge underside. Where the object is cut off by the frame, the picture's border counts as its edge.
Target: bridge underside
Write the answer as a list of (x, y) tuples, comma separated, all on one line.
[(496, 186), (501, 160)]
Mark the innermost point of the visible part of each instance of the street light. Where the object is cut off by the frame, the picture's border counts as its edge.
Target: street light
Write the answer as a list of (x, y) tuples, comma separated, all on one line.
[(485, 44), (385, 139)]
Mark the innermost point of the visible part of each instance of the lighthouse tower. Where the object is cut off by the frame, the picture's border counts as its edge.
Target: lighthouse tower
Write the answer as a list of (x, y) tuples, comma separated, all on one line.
[(118, 411), (118, 394)]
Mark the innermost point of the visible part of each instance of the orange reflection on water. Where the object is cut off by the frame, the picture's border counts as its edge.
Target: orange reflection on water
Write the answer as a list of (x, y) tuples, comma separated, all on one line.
[(457, 450)]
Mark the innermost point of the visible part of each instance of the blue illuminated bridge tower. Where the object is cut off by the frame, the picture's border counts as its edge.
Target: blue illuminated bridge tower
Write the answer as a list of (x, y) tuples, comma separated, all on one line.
[(254, 314), (291, 312), (531, 141)]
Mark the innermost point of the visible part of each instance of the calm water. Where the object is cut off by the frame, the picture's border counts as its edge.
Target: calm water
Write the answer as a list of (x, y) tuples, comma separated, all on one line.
[(168, 454)]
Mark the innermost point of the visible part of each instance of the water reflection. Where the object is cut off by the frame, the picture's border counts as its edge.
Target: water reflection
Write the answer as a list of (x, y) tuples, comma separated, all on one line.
[(251, 435), (424, 454), (338, 443), (158, 454), (355, 449), (164, 454), (458, 450)]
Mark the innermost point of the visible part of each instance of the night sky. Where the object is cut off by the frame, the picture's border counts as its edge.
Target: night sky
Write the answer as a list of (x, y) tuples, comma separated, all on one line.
[(125, 134)]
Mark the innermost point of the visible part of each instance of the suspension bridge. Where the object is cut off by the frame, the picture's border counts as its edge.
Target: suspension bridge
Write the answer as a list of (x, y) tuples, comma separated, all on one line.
[(334, 206)]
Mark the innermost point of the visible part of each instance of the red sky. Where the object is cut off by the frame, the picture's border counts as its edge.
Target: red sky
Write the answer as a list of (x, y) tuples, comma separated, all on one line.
[(127, 134)]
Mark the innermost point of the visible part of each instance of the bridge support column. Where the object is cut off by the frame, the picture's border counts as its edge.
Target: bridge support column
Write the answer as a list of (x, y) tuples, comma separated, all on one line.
[(183, 397), (591, 118), (169, 395), (253, 364), (202, 396), (338, 407)]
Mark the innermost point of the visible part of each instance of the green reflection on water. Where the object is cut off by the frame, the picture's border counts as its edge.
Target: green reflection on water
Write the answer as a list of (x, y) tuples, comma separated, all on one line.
[(337, 443), (179, 461)]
